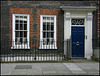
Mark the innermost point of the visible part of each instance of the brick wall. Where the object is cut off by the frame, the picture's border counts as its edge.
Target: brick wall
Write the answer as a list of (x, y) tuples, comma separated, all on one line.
[(46, 12), (8, 7), (20, 11), (98, 19)]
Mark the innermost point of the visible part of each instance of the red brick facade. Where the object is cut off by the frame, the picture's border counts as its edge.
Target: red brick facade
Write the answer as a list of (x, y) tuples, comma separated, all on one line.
[(45, 12), (20, 11)]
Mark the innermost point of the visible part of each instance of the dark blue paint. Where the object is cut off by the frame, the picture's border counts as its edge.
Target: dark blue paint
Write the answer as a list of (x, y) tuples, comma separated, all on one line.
[(77, 35)]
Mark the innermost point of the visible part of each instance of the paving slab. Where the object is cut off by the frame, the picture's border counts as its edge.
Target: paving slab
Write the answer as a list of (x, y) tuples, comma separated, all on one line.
[(74, 69), (91, 70), (47, 69), (79, 71), (19, 72), (34, 72), (63, 71), (5, 71), (93, 73), (53, 72), (70, 65), (23, 67)]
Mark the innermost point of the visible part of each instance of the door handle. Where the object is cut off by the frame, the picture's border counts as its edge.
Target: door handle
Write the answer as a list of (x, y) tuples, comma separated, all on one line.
[(77, 44)]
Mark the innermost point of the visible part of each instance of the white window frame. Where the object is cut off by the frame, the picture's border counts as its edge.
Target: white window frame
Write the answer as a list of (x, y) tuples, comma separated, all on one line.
[(13, 32), (41, 34)]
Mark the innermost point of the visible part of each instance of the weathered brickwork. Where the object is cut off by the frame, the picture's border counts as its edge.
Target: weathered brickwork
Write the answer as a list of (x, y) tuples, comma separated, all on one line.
[(99, 19), (35, 9), (20, 11)]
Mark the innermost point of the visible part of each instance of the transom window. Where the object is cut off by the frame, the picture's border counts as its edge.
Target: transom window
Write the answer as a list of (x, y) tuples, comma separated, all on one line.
[(48, 31), (77, 22), (20, 31)]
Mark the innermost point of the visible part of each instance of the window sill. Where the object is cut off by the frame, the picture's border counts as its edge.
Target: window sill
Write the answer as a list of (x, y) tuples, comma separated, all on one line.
[(20, 47), (47, 47)]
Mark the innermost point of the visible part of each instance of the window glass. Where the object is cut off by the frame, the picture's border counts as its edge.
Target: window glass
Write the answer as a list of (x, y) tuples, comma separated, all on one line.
[(25, 26), (48, 26), (20, 30), (17, 22), (48, 30), (17, 34), (16, 26), (44, 25), (77, 21), (25, 34), (21, 27), (44, 19)]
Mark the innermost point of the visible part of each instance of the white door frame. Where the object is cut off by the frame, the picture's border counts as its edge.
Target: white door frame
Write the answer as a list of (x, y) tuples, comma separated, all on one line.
[(79, 13)]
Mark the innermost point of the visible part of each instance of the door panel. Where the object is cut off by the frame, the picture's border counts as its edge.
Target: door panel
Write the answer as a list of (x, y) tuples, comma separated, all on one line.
[(77, 42)]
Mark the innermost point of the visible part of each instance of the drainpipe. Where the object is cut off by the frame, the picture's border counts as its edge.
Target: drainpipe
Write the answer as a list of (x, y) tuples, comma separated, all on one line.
[(93, 40)]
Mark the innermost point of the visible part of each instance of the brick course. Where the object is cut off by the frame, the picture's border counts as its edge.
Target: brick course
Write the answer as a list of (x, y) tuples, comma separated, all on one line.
[(8, 8), (99, 19)]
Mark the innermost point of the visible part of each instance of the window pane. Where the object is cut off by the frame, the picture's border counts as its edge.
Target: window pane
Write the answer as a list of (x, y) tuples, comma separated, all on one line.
[(21, 17), (44, 41), (44, 19), (51, 41), (48, 18), (16, 26), (21, 40), (21, 21), (52, 23), (44, 25), (48, 34), (77, 21), (52, 19), (48, 41), (25, 26), (25, 33), (48, 25), (44, 34), (18, 41), (52, 34), (15, 41), (21, 27), (21, 34), (25, 18), (17, 34), (17, 17), (16, 21), (25, 22), (24, 40), (52, 27)]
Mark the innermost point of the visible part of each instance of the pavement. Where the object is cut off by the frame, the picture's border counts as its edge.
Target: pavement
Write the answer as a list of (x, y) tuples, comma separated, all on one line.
[(76, 67)]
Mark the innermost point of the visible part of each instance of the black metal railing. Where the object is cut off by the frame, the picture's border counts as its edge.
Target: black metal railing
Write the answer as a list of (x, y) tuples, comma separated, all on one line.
[(33, 51), (96, 43)]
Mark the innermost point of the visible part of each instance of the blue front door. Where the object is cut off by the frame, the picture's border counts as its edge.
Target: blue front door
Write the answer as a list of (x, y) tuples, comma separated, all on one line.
[(77, 42)]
